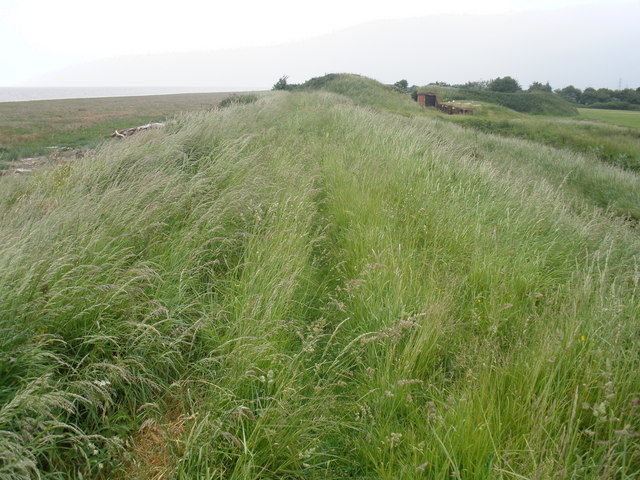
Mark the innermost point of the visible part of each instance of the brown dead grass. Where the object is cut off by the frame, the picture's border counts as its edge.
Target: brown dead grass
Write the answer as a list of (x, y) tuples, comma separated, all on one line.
[(154, 446)]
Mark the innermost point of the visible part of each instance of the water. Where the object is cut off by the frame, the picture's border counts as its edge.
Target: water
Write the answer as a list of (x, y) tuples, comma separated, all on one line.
[(22, 94)]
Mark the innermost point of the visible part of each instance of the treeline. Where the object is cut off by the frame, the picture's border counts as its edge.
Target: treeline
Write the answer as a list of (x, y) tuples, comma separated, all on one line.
[(625, 99), (490, 90), (538, 100)]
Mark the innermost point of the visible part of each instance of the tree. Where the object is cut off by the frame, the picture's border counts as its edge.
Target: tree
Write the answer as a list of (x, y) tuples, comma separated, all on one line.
[(401, 86), (570, 93), (475, 85), (627, 95), (281, 84), (589, 96), (505, 85), (539, 87), (604, 94)]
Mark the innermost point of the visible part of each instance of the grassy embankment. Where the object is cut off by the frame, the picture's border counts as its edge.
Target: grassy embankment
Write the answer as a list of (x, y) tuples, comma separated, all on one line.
[(558, 167), (27, 129), (537, 103), (306, 288), (546, 119)]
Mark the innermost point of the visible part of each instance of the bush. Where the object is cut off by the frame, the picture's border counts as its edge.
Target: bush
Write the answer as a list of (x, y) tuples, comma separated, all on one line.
[(401, 86), (281, 84), (570, 93), (505, 85), (540, 87), (238, 100), (613, 105)]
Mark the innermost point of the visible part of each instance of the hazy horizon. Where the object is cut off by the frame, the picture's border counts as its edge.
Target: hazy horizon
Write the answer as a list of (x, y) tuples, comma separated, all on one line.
[(28, 94), (579, 43)]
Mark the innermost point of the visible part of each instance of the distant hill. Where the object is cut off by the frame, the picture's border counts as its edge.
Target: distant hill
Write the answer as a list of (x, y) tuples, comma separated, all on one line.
[(583, 46)]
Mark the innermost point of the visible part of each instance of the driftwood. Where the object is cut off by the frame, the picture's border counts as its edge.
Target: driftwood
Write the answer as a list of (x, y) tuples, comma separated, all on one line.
[(15, 171), (130, 131), (453, 109)]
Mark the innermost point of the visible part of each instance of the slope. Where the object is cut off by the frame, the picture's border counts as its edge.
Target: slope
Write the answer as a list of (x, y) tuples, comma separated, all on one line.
[(536, 103), (584, 174), (306, 288)]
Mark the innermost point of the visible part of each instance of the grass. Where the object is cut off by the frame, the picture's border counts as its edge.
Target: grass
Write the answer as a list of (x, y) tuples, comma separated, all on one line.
[(551, 121), (611, 144), (302, 287), (29, 129), (617, 117), (615, 145), (600, 143), (365, 91), (536, 103)]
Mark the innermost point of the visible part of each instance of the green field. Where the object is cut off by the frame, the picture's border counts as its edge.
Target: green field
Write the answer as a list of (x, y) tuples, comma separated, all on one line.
[(324, 284), (617, 117), (612, 142), (27, 129)]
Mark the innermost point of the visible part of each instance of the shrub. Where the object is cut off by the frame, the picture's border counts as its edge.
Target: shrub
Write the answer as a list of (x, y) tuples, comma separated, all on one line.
[(282, 84), (540, 87), (505, 85), (401, 86), (238, 100), (613, 105)]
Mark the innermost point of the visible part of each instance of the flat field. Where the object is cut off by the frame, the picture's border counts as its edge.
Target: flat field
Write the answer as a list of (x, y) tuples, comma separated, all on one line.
[(617, 117), (28, 129)]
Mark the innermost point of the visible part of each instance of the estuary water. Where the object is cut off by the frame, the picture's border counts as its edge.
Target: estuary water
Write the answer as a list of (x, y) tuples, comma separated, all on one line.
[(23, 94)]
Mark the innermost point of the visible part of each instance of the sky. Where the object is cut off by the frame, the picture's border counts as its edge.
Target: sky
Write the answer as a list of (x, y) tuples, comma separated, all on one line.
[(41, 36)]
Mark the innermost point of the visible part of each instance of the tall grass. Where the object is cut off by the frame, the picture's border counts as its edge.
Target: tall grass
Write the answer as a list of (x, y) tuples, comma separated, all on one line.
[(588, 180), (536, 103), (615, 145), (304, 288)]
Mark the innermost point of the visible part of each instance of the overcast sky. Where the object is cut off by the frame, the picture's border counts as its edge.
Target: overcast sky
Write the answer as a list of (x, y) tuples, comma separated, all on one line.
[(40, 36)]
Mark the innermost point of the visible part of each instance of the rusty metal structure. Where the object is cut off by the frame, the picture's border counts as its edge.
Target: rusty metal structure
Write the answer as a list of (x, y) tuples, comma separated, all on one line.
[(429, 99)]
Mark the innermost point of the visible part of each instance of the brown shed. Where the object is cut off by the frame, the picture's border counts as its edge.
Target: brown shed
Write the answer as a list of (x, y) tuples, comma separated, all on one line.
[(427, 99)]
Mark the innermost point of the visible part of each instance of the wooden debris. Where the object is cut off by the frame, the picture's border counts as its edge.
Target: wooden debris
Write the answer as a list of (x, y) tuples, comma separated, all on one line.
[(15, 171), (130, 131), (454, 109), (429, 99)]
